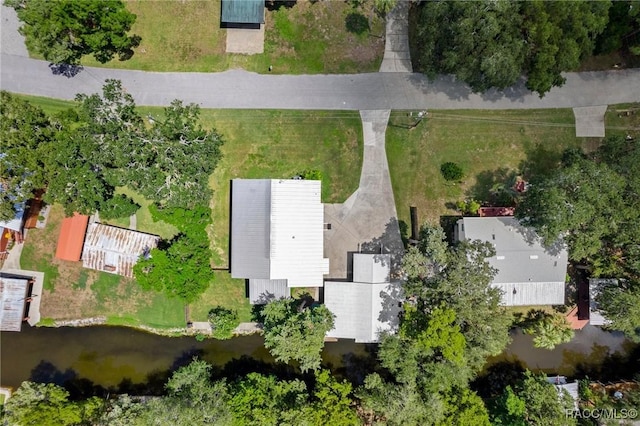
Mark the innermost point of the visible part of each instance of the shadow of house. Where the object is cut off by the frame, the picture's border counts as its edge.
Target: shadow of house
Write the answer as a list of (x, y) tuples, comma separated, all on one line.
[(388, 243), (246, 14)]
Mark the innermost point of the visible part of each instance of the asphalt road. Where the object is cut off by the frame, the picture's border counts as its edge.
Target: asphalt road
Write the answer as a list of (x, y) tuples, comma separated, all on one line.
[(245, 90)]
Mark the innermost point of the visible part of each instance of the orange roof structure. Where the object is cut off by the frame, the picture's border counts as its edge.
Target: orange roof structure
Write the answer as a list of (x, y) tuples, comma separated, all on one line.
[(72, 237)]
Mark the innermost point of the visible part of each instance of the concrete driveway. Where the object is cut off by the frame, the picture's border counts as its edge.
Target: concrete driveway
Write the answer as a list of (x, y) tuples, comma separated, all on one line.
[(367, 221)]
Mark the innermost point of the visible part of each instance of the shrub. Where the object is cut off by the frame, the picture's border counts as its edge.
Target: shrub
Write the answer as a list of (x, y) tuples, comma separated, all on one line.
[(223, 321), (310, 174), (357, 23), (451, 171)]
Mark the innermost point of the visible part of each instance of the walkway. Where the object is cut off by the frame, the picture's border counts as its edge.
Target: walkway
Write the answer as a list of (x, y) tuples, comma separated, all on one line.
[(397, 57), (367, 221)]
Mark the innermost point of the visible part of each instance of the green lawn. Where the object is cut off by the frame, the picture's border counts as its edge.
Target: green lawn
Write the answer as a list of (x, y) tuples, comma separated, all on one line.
[(482, 142), (310, 37), (224, 291)]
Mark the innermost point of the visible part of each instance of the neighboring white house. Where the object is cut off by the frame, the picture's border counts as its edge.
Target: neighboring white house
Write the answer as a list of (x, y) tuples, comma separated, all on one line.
[(368, 305), (528, 273), (277, 240)]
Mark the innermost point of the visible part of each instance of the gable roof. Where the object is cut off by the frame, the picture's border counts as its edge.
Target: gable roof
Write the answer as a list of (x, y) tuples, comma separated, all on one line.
[(277, 231), (242, 11), (115, 250), (528, 272), (71, 237), (364, 309)]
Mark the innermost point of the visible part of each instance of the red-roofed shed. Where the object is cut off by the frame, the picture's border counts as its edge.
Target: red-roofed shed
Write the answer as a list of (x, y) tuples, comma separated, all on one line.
[(72, 237)]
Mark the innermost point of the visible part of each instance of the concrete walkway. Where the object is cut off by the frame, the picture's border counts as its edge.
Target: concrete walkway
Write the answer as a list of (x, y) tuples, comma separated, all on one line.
[(367, 221), (590, 121), (397, 57), (11, 41)]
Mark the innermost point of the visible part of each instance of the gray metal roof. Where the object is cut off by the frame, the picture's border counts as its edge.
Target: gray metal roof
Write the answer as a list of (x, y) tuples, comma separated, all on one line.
[(115, 250), (242, 11), (250, 228), (263, 291), (537, 273), (13, 293)]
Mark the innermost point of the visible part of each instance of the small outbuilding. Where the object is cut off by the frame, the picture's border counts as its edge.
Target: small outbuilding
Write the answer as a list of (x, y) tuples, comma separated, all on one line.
[(115, 250), (242, 13), (369, 305), (71, 239)]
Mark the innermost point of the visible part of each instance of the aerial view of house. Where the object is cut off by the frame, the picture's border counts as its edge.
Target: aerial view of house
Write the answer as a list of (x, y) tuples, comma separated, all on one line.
[(302, 212)]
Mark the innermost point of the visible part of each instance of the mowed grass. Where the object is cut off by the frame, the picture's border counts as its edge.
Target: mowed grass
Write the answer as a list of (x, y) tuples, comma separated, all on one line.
[(310, 37), (73, 292), (482, 142)]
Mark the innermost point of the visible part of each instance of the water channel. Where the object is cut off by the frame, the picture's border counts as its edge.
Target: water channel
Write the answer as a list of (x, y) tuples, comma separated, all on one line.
[(107, 355)]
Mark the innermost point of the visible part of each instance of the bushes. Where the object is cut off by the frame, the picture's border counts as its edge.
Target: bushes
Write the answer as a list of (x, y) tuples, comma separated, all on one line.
[(451, 171), (223, 321)]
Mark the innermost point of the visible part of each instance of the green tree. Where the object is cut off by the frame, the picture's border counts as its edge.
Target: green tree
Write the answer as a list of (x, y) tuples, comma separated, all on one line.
[(118, 206), (265, 400), (532, 401), (63, 31), (223, 322), (492, 43), (331, 402), (47, 405), (549, 330), (451, 171), (25, 131), (182, 270), (621, 305), (295, 330)]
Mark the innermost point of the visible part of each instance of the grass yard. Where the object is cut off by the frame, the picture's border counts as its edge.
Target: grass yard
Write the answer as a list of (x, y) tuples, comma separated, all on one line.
[(72, 292), (280, 144), (487, 144), (310, 37)]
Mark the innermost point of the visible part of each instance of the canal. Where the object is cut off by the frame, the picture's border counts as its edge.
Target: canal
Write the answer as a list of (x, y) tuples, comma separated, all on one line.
[(108, 355)]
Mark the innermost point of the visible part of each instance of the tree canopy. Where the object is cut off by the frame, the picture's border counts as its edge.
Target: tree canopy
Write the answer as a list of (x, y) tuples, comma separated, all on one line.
[(63, 31), (491, 44), (295, 330)]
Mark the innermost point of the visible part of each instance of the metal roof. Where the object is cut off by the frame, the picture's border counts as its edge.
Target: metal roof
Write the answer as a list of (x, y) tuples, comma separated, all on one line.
[(71, 237), (115, 250), (242, 11), (536, 273), (263, 291), (364, 309), (13, 292), (371, 268), (277, 231)]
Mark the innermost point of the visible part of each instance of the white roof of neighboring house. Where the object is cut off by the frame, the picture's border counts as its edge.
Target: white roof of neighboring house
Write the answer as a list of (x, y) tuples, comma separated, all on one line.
[(364, 309), (13, 294), (528, 273), (115, 250), (595, 286), (277, 229)]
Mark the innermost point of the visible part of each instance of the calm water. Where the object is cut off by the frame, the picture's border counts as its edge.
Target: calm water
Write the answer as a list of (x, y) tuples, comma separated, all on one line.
[(107, 355)]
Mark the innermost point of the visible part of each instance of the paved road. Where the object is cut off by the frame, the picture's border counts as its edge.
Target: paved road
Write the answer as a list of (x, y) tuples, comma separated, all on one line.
[(241, 89)]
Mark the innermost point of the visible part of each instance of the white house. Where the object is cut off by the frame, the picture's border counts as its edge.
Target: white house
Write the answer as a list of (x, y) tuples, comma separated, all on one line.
[(277, 240), (528, 272)]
